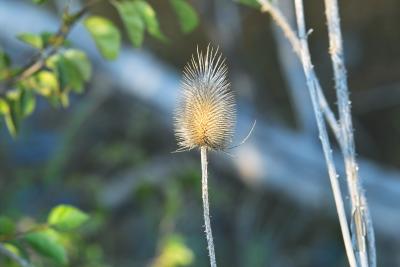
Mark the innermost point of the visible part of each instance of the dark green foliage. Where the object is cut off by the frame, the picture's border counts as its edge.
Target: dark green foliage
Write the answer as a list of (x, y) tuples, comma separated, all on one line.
[(132, 20), (187, 16)]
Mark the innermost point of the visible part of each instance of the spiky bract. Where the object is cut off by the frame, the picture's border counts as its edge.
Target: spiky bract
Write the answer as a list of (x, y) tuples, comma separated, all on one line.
[(205, 116)]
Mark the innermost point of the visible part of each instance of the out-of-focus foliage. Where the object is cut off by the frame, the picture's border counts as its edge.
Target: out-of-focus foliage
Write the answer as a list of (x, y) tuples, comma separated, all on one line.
[(174, 253), (57, 69), (49, 240), (106, 36)]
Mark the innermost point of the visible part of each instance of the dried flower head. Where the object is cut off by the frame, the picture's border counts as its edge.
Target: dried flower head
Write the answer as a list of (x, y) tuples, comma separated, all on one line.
[(205, 116)]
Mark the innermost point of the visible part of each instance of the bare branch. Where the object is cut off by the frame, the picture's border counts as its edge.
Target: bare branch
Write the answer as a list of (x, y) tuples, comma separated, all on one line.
[(358, 200), (290, 34), (312, 87)]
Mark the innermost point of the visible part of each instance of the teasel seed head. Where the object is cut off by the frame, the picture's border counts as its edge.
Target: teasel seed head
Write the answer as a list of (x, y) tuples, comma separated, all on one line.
[(205, 115)]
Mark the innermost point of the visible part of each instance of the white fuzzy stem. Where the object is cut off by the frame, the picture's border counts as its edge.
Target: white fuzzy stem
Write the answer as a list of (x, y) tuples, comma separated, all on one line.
[(312, 86), (358, 200), (206, 206)]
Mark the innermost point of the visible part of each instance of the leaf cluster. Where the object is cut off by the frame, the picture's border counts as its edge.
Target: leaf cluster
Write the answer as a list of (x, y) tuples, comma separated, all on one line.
[(58, 69), (48, 239)]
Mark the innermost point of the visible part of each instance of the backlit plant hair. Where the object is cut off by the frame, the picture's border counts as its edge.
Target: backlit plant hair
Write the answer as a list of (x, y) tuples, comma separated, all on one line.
[(205, 117)]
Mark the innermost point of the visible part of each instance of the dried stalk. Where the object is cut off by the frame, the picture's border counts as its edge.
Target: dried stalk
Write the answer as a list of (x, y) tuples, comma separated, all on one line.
[(310, 77), (358, 200), (206, 206), (281, 21)]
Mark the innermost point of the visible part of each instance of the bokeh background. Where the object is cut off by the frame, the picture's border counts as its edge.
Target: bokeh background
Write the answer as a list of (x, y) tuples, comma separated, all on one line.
[(109, 153)]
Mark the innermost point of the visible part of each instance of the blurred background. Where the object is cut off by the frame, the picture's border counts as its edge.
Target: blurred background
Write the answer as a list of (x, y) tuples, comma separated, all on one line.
[(109, 152)]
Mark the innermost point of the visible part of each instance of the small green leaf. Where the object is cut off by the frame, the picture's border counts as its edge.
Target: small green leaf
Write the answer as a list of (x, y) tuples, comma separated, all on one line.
[(47, 244), (80, 61), (31, 39), (250, 3), (7, 226), (174, 252), (4, 108), (28, 103), (14, 116), (187, 16), (47, 83), (150, 19), (132, 20), (39, 1), (106, 36), (67, 71), (66, 217), (4, 65)]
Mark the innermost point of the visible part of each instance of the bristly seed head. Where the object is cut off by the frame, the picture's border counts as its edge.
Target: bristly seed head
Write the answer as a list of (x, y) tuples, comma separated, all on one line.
[(205, 115)]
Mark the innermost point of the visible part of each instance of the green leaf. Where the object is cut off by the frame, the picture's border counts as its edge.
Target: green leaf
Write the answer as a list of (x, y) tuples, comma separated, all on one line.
[(39, 1), (13, 117), (106, 36), (81, 62), (132, 20), (7, 226), (174, 252), (187, 16), (47, 83), (4, 108), (28, 103), (250, 3), (150, 19), (68, 73), (66, 217), (4, 65), (47, 244), (31, 39)]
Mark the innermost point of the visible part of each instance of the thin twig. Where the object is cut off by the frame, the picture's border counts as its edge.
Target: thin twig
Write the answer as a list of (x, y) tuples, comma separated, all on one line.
[(21, 261), (281, 21), (359, 209), (206, 208), (312, 86), (38, 61)]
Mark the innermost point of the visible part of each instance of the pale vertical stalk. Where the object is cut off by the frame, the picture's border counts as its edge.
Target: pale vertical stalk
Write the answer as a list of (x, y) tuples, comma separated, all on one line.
[(206, 206), (281, 21), (312, 86), (359, 209)]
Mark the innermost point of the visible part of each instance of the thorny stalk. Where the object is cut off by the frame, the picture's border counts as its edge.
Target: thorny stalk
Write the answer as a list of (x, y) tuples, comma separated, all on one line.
[(361, 218), (307, 66), (281, 21), (343, 131)]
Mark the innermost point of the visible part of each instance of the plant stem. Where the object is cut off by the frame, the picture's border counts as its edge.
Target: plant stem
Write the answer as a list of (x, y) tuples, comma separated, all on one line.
[(281, 21), (22, 262), (348, 149), (307, 66), (206, 208)]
